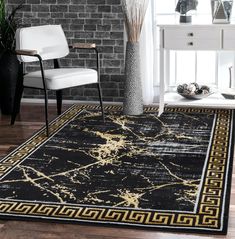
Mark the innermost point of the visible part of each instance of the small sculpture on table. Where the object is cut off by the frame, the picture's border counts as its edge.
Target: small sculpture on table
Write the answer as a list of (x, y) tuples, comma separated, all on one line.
[(183, 7)]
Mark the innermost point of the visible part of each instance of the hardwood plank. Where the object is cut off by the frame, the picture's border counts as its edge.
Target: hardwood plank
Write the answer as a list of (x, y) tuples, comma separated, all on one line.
[(30, 120)]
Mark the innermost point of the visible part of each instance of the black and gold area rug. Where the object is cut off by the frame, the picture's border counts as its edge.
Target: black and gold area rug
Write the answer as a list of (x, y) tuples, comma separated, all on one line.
[(171, 172)]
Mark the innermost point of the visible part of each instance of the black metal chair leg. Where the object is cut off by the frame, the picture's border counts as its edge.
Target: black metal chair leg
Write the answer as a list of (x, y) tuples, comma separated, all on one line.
[(59, 101), (18, 95), (46, 112), (101, 101)]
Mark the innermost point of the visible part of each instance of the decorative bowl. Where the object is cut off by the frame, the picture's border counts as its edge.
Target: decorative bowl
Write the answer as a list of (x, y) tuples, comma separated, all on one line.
[(193, 91)]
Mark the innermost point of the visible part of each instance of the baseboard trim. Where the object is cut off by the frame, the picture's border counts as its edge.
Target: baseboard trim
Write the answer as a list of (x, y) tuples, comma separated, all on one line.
[(69, 102)]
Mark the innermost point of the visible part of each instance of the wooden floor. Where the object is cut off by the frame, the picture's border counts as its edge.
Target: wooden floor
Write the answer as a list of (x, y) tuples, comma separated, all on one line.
[(30, 120)]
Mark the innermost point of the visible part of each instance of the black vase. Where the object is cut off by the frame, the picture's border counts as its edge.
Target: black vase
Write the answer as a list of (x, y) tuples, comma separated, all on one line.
[(9, 71)]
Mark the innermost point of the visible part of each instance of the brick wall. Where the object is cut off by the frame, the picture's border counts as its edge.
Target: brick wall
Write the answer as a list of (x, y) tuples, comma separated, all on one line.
[(98, 21)]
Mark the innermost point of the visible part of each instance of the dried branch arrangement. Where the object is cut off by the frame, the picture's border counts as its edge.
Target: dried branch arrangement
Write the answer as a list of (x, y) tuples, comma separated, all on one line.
[(134, 13)]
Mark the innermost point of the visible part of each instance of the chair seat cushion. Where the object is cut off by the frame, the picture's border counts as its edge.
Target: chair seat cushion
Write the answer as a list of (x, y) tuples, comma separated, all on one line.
[(61, 78)]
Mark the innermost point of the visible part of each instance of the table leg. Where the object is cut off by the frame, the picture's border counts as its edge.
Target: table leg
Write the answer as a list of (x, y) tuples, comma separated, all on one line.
[(162, 81)]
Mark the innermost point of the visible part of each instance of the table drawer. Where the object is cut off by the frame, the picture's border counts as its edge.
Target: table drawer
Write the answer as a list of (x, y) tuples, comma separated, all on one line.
[(192, 39), (188, 32), (229, 39), (192, 44)]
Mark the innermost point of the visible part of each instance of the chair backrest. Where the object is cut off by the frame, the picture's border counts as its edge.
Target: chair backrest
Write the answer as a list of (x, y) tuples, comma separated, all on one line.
[(49, 41)]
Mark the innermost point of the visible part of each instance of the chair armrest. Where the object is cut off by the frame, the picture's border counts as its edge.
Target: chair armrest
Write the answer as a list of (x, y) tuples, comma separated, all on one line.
[(83, 46), (88, 46), (26, 52)]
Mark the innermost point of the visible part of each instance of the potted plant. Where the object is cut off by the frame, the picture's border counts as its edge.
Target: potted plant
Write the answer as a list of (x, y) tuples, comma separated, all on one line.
[(9, 65)]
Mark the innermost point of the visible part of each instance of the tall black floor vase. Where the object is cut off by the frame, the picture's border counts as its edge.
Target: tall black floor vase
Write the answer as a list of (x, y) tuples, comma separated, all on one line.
[(9, 71)]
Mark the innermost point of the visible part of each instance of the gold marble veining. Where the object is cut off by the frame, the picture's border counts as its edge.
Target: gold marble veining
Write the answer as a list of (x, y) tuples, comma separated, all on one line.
[(128, 199), (108, 150), (38, 185)]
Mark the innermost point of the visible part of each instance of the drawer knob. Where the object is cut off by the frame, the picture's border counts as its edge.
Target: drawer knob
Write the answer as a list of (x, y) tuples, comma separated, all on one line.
[(191, 34), (190, 43)]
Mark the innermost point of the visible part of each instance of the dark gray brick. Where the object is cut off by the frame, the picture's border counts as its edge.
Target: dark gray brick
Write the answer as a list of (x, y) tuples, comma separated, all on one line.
[(90, 27), (102, 2), (102, 35), (91, 8), (56, 15), (76, 27), (40, 8), (104, 8), (70, 15), (48, 1), (76, 8), (58, 8), (33, 1)]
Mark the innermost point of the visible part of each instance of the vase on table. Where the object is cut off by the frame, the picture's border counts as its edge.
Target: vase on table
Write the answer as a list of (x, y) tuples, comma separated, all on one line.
[(133, 100), (221, 11)]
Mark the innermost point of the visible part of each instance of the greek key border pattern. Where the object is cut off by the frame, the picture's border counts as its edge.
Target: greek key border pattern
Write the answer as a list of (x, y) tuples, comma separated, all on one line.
[(210, 203), (34, 142)]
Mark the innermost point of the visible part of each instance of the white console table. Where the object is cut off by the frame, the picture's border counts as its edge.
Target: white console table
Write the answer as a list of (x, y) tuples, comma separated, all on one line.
[(214, 37)]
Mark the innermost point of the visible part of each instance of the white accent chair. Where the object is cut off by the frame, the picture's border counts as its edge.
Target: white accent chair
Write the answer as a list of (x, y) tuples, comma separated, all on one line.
[(48, 42)]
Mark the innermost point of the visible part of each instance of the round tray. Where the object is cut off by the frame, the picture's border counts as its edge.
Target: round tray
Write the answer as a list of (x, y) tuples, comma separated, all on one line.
[(195, 97)]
